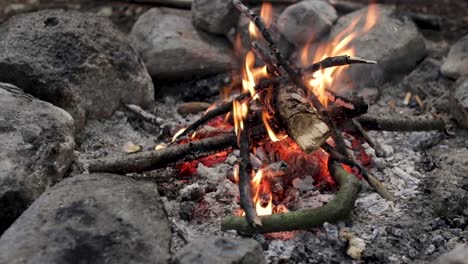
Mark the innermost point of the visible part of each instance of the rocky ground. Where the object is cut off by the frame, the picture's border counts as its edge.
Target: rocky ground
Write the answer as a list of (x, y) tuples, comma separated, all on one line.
[(65, 77)]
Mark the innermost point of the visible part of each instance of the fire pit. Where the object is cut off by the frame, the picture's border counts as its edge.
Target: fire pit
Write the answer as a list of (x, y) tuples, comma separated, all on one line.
[(331, 140)]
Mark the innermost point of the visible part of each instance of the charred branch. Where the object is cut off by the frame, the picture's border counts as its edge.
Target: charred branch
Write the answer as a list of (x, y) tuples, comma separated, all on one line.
[(146, 116), (369, 122), (151, 160), (336, 210)]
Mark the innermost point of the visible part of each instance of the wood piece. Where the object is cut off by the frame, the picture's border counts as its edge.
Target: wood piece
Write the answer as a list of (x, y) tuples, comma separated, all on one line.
[(338, 209), (300, 119), (192, 107), (245, 172), (370, 122), (148, 117)]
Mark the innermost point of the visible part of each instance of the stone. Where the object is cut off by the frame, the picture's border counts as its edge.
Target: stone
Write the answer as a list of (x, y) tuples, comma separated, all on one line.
[(306, 21), (394, 42), (220, 250), (459, 101), (93, 218), (172, 48), (457, 256), (456, 63), (36, 149), (75, 61), (214, 16)]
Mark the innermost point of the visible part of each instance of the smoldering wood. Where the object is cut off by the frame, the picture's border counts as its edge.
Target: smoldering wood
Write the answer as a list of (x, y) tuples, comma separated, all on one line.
[(245, 172), (300, 119), (370, 122), (338, 209)]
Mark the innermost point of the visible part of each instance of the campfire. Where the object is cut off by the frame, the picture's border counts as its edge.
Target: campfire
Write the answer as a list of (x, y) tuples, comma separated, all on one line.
[(295, 118)]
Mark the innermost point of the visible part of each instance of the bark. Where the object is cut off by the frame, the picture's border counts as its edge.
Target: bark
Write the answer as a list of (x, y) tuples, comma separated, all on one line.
[(300, 119)]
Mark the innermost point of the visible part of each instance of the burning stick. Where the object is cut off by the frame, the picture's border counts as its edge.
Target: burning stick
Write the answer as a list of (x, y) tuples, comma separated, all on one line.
[(336, 210), (151, 160), (245, 170)]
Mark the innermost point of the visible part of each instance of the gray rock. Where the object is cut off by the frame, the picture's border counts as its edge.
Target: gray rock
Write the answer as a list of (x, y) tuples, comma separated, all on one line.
[(459, 101), (306, 21), (221, 250), (457, 256), (395, 43), (75, 61), (214, 16), (173, 48), (456, 63), (94, 218), (36, 149)]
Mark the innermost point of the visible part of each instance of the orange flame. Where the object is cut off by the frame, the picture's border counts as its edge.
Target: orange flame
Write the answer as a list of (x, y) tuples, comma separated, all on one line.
[(239, 111), (339, 45), (258, 188), (266, 117), (266, 13)]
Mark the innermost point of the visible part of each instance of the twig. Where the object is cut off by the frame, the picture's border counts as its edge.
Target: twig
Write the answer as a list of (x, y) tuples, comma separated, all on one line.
[(336, 210), (370, 122), (148, 117), (245, 170)]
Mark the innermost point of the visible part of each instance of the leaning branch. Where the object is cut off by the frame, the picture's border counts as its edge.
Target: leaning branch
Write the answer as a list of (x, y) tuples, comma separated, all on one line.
[(338, 209)]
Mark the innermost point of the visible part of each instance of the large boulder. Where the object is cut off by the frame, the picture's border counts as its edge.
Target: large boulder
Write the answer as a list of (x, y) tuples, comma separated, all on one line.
[(306, 21), (456, 63), (173, 48), (221, 250), (94, 218), (459, 101), (77, 61), (394, 42), (214, 16), (36, 149)]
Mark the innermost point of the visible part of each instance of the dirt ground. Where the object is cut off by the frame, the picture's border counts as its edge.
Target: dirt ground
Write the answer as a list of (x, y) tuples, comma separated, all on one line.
[(124, 13)]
